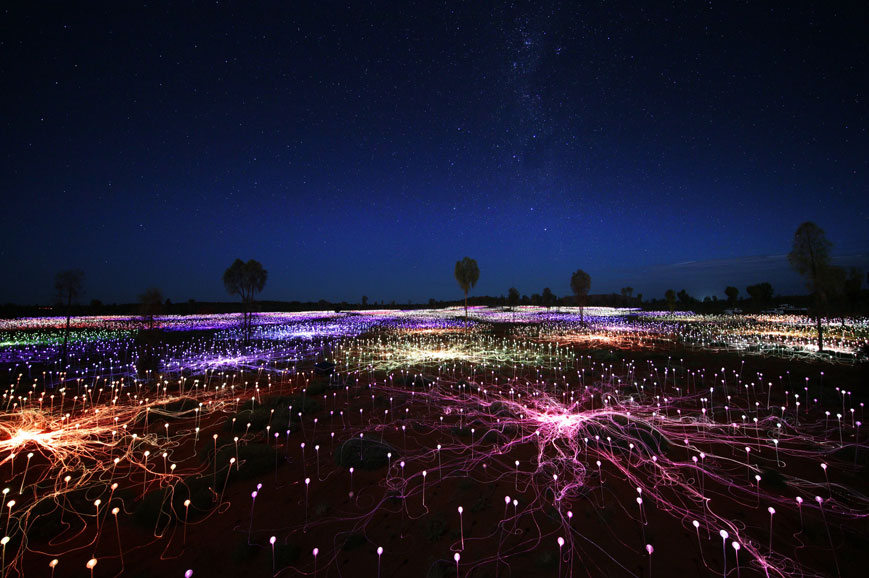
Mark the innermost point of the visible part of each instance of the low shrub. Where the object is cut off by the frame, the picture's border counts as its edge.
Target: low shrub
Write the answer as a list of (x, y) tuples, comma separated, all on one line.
[(365, 454), (254, 460), (436, 527), (354, 541)]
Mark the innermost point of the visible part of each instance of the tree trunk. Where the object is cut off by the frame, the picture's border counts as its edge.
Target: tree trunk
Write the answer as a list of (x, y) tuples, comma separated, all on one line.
[(244, 316), (820, 332), (247, 321), (65, 340), (466, 305), (66, 332)]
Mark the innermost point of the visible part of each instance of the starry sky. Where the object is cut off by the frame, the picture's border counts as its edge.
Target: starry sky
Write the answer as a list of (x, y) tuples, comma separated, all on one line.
[(363, 148)]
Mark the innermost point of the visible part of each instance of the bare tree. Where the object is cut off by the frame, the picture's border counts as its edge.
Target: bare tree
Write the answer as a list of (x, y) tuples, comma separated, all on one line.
[(467, 273), (580, 284), (245, 280), (69, 285)]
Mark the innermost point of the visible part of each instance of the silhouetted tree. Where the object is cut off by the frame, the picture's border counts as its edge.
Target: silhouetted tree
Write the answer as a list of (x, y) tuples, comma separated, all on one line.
[(810, 257), (150, 305), (732, 294), (245, 280), (467, 273), (670, 296), (513, 297), (69, 286), (685, 299), (853, 285), (760, 293), (835, 281), (365, 300), (627, 293), (580, 284), (547, 298)]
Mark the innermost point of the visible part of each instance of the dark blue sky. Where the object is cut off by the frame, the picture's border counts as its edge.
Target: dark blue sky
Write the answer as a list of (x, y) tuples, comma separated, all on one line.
[(365, 148)]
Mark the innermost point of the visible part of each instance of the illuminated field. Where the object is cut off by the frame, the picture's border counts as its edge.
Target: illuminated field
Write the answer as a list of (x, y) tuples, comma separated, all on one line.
[(516, 443)]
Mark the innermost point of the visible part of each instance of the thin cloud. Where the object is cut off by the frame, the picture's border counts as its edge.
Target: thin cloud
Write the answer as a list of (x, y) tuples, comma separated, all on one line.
[(710, 277)]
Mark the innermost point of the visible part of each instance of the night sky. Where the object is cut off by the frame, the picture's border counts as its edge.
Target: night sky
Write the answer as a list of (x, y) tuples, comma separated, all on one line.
[(363, 148)]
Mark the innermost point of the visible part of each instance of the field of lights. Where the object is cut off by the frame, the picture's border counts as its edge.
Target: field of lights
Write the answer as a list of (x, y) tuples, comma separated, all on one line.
[(419, 443)]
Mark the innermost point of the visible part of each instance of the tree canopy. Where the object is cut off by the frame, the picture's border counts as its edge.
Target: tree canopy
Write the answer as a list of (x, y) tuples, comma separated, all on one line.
[(580, 284), (69, 285), (466, 273), (548, 298), (685, 298), (513, 297), (810, 257), (810, 253), (760, 293), (151, 305), (670, 296), (245, 280)]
